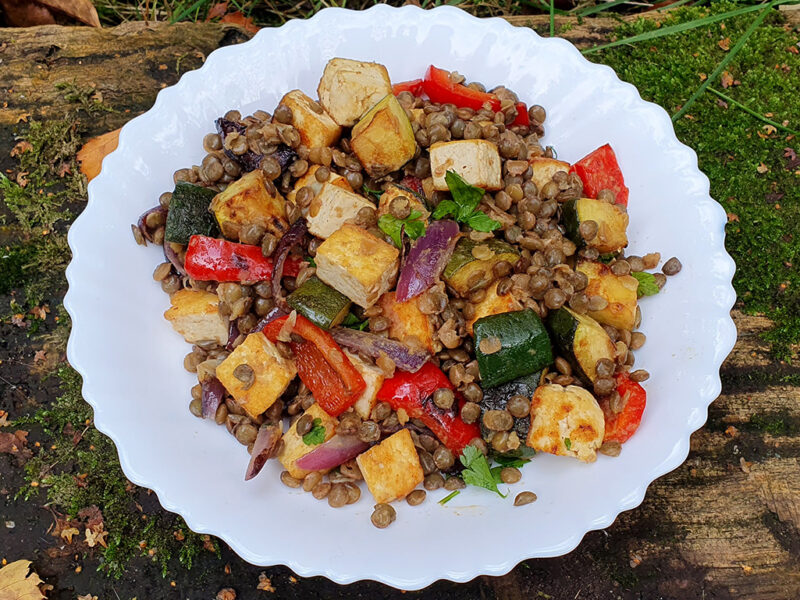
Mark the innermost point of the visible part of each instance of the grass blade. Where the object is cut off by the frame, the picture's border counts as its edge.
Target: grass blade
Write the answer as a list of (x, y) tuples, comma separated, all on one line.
[(552, 18), (674, 5), (751, 112), (187, 11), (603, 6), (657, 33), (728, 58)]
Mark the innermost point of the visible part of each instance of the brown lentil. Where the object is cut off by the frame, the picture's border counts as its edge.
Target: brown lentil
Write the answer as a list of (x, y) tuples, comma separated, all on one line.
[(611, 448), (416, 497), (369, 431), (519, 406), (672, 266), (311, 480), (470, 412), (433, 481), (289, 481), (524, 498), (510, 475), (639, 375), (443, 458), (321, 490), (498, 420), (383, 515), (337, 497)]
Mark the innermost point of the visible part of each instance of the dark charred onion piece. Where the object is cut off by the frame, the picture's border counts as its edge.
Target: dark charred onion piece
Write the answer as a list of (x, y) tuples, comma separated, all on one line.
[(172, 257), (233, 333), (141, 222), (374, 345), (264, 448), (337, 450), (212, 396), (427, 259), (285, 156), (290, 239), (249, 161), (268, 318)]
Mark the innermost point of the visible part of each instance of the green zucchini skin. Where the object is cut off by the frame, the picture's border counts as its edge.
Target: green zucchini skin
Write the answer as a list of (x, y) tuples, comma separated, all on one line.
[(583, 353), (569, 217), (525, 346), (188, 214), (462, 254), (319, 303), (497, 398)]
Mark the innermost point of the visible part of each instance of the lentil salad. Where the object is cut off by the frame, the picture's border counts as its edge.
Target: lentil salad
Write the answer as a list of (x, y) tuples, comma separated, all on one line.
[(411, 281)]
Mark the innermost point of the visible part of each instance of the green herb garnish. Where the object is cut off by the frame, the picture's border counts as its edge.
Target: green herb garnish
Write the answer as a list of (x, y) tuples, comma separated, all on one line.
[(511, 461), (393, 227), (353, 322), (369, 192), (464, 205), (310, 260), (568, 443), (477, 471), (449, 497), (647, 283), (316, 435)]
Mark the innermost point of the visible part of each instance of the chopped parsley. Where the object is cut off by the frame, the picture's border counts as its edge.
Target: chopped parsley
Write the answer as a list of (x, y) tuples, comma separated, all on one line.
[(449, 497), (394, 227), (647, 283), (477, 471), (464, 205), (568, 443), (310, 260), (316, 435), (369, 192), (353, 322)]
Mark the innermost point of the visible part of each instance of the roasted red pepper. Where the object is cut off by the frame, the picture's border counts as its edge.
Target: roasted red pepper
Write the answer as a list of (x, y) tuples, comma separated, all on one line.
[(599, 170), (622, 425), (413, 393), (327, 372), (414, 86), (439, 88), (522, 117), (214, 259)]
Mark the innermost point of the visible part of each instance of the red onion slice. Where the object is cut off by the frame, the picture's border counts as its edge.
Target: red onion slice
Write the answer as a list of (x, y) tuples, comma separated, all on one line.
[(141, 222), (264, 448), (427, 259), (337, 450), (213, 394), (293, 237), (373, 345), (172, 257), (268, 318)]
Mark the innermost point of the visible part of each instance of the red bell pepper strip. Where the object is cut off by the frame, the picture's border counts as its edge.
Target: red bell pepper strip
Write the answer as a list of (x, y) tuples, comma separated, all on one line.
[(414, 86), (327, 372), (439, 88), (599, 170), (622, 425), (214, 259), (522, 117), (413, 393)]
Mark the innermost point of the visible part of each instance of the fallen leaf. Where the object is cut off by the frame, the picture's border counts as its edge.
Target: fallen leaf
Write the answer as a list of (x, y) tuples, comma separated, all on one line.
[(87, 597), (725, 44), (226, 594), (22, 178), (40, 356), (703, 76), (721, 103), (23, 13), (19, 320), (40, 311), (769, 129), (217, 11), (17, 583), (733, 218), (793, 49), (93, 516), (64, 169), (727, 79), (80, 10), (68, 533), (96, 536), (21, 148), (12, 443), (23, 118), (762, 168), (91, 155), (264, 583), (237, 18), (731, 431), (4, 419)]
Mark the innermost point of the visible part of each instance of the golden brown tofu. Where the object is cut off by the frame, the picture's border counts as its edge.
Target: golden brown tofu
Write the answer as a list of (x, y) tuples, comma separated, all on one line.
[(545, 168), (383, 139), (316, 127), (477, 161), (358, 264), (310, 180), (249, 201), (391, 192), (391, 469), (349, 88), (195, 316), (272, 374), (295, 448), (566, 421), (620, 291), (373, 376), (493, 304), (332, 207), (407, 323)]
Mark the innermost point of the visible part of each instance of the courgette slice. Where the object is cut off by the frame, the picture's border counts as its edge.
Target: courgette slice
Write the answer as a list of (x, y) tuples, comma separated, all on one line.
[(188, 214), (319, 303), (465, 273), (581, 340), (497, 398), (618, 290), (612, 224), (524, 346)]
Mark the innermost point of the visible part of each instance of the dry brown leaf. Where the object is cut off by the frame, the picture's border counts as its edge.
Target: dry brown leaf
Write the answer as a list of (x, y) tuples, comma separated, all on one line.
[(87, 597), (21, 148), (12, 443), (264, 583), (68, 533), (96, 536), (726, 79), (91, 155), (24, 13), (769, 129), (4, 419), (725, 44), (762, 168), (217, 11), (237, 18), (16, 583), (80, 10), (732, 217), (703, 76)]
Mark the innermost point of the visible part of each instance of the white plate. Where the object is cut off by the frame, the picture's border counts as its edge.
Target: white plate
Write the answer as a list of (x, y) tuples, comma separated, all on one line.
[(131, 360)]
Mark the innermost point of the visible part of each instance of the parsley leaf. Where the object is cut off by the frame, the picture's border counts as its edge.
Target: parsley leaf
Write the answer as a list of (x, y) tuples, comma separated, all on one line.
[(477, 471), (316, 435), (310, 260), (368, 192), (511, 461), (353, 322), (449, 497), (647, 283), (464, 205), (392, 226), (568, 443)]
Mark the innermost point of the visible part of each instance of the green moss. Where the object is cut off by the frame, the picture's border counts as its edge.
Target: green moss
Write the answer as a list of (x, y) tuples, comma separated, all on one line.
[(763, 234)]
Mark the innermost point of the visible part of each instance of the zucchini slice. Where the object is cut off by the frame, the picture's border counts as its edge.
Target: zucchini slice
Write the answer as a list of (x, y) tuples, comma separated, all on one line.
[(581, 340), (618, 290), (188, 214), (497, 398), (612, 224), (524, 346), (465, 273), (319, 303)]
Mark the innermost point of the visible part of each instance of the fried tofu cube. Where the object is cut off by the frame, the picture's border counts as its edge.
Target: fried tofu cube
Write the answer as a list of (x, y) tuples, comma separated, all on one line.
[(391, 192), (407, 323), (295, 448), (566, 421), (272, 373), (493, 304), (477, 161), (310, 180), (373, 376), (332, 207), (358, 264), (316, 127), (620, 291), (545, 168), (383, 139), (194, 314), (391, 469), (349, 88), (250, 200)]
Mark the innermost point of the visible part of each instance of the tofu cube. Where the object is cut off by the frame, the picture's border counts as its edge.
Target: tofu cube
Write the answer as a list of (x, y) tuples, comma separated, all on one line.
[(477, 161), (391, 469), (545, 168), (407, 323), (358, 264), (620, 291), (250, 200), (194, 314), (332, 207), (310, 180), (383, 139), (349, 88), (566, 421), (373, 377), (316, 127), (391, 192), (272, 374), (295, 448), (493, 304)]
